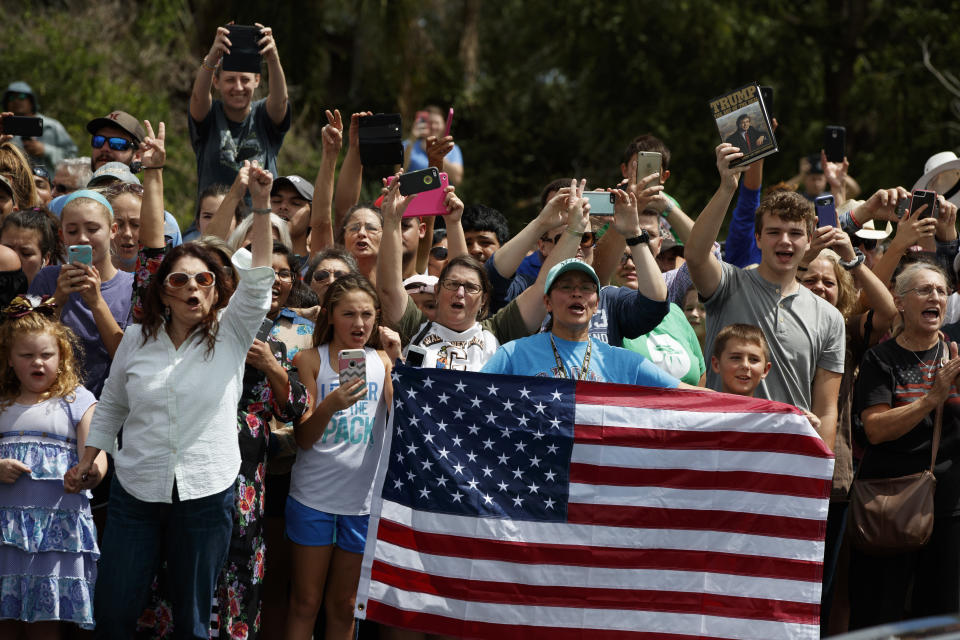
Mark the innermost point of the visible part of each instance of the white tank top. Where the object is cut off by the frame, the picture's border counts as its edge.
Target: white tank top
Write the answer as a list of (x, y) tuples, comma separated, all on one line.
[(336, 474)]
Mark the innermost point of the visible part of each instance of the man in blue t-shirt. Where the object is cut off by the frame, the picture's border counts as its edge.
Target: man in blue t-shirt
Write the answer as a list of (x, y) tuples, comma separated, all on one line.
[(566, 350), (227, 131)]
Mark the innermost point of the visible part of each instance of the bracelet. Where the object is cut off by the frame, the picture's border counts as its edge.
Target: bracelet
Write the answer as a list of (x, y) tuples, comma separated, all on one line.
[(203, 63), (574, 233), (159, 166), (255, 210), (854, 220), (856, 262)]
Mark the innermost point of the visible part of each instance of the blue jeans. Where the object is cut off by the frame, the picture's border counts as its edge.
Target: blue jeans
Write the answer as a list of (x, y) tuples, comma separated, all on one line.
[(192, 535)]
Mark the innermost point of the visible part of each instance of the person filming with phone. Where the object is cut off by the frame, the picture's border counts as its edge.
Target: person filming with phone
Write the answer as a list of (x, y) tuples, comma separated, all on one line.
[(234, 128)]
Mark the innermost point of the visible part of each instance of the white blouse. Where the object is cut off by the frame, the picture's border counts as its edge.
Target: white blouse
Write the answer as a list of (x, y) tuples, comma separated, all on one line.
[(178, 407)]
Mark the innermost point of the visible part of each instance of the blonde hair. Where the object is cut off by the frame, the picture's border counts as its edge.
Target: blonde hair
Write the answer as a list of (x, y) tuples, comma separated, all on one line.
[(846, 291), (904, 283), (68, 379)]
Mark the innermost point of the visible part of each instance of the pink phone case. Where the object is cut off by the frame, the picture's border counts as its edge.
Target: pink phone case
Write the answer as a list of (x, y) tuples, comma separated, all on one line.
[(427, 203)]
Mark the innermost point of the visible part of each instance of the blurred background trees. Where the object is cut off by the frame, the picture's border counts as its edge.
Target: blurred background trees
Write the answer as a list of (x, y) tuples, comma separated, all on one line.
[(541, 89)]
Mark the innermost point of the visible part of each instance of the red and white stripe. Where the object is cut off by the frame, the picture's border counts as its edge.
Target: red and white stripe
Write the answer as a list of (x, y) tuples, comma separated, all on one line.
[(691, 515)]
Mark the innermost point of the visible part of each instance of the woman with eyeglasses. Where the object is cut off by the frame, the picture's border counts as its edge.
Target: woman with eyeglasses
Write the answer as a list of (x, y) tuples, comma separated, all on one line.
[(901, 383), (461, 336), (360, 235), (173, 491)]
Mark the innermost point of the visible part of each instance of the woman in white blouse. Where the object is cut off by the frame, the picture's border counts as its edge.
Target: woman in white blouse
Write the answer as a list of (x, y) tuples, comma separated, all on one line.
[(173, 387)]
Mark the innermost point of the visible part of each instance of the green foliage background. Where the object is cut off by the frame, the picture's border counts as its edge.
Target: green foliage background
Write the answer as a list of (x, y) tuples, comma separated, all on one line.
[(541, 89)]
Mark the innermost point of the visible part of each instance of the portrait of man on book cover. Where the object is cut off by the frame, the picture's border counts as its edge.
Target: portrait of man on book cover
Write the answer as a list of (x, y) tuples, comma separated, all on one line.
[(750, 133)]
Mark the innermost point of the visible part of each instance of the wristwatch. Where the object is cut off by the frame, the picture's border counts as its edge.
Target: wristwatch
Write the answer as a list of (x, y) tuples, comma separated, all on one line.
[(857, 260), (643, 238)]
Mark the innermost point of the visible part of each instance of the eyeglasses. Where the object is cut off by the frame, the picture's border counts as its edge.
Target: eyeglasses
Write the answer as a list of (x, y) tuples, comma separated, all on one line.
[(19, 96), (179, 279), (371, 229), (59, 187), (625, 258), (284, 275), (586, 240), (117, 144), (927, 289), (439, 253), (323, 274), (469, 287), (585, 288)]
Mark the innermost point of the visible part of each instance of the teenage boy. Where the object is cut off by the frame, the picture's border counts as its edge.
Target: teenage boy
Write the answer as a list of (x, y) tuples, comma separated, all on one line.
[(290, 198), (228, 131), (805, 334)]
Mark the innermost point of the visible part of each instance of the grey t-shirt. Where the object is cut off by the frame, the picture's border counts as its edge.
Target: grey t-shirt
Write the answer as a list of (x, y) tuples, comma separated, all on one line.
[(804, 332), (221, 145)]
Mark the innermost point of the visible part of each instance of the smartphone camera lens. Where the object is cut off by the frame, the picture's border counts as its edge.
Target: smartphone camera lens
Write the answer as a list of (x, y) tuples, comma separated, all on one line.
[(353, 363), (427, 179)]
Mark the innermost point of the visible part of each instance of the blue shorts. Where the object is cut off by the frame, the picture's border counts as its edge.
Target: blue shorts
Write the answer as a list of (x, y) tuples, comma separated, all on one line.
[(312, 528)]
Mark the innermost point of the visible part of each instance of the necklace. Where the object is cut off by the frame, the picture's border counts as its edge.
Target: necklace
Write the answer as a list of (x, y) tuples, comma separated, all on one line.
[(937, 361), (584, 366)]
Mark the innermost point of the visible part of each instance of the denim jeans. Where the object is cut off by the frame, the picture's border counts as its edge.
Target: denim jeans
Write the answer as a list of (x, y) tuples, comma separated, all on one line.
[(192, 535)]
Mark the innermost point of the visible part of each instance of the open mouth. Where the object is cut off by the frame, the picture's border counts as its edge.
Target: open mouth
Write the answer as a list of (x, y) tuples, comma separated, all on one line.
[(784, 256), (577, 308), (192, 301), (931, 313), (457, 305), (39, 375)]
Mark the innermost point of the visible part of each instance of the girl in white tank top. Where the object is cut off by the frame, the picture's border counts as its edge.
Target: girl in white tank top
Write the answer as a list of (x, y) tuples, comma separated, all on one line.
[(339, 442)]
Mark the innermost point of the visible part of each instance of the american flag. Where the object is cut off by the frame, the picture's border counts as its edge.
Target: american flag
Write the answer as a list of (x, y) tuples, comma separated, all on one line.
[(521, 507)]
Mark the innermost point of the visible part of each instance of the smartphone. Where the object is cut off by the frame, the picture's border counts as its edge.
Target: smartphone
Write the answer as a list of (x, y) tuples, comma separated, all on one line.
[(446, 131), (24, 126), (352, 366), (903, 205), (922, 197), (380, 139), (601, 202), (649, 162), (826, 211), (766, 94), (427, 203), (834, 143), (244, 51), (264, 332), (415, 355), (419, 181), (82, 253)]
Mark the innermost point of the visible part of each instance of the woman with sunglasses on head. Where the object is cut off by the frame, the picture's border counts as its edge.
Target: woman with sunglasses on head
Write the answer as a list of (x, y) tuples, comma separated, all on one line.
[(460, 336), (176, 470)]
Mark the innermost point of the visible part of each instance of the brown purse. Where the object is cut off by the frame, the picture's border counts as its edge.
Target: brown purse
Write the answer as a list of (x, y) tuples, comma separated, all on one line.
[(892, 515)]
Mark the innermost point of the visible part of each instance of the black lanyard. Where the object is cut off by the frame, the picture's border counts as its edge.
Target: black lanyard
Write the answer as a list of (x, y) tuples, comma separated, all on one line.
[(584, 367)]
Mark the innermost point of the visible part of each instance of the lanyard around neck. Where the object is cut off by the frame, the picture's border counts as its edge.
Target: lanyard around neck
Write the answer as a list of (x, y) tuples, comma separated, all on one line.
[(585, 365)]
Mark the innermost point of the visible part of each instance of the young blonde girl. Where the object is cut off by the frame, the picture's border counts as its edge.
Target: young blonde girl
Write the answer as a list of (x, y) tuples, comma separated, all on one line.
[(48, 543), (339, 446)]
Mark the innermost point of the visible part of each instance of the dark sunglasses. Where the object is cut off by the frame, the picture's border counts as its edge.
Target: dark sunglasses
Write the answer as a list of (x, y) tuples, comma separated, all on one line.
[(19, 96), (586, 240), (323, 274), (62, 188), (439, 253), (117, 144)]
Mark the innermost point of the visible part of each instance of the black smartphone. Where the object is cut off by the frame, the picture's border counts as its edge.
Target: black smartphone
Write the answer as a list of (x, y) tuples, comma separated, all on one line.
[(415, 355), (419, 181), (24, 126), (826, 211), (379, 139), (244, 52), (922, 197), (766, 94), (834, 143)]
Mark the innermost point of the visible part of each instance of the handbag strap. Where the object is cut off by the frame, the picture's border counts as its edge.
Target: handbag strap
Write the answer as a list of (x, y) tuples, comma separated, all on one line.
[(937, 428)]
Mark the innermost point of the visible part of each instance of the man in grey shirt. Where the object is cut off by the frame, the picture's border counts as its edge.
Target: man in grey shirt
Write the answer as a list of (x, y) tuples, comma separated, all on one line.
[(806, 334)]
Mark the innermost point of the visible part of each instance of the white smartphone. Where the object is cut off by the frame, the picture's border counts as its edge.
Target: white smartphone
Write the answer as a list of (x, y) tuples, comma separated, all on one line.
[(352, 366)]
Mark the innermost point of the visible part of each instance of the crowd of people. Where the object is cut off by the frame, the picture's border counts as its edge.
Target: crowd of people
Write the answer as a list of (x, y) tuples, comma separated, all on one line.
[(179, 458)]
